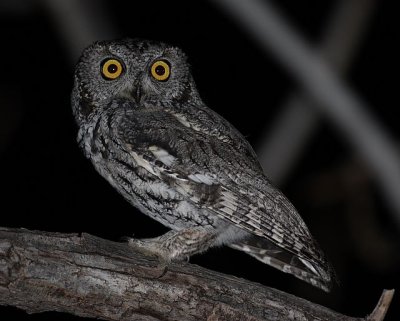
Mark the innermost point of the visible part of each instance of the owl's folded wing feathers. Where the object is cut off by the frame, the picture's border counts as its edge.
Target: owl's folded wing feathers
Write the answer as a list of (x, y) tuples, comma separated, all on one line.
[(216, 171)]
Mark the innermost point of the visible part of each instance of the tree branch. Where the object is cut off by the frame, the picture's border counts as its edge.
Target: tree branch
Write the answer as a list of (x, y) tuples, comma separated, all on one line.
[(92, 277)]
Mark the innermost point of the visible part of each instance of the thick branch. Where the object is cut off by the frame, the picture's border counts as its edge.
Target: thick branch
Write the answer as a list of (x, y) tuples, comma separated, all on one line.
[(88, 276)]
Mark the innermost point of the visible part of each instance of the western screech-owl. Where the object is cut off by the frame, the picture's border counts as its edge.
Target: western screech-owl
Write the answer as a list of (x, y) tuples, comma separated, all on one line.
[(146, 130)]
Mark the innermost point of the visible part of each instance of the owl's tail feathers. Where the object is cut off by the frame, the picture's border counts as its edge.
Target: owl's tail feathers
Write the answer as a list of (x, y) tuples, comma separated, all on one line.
[(268, 253)]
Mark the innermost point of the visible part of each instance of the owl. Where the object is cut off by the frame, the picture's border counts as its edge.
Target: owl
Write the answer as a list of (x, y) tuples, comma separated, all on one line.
[(146, 130)]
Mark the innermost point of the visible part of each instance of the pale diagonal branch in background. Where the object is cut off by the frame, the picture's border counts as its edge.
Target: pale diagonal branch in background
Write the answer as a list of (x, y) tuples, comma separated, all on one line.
[(282, 145), (80, 23), (337, 102)]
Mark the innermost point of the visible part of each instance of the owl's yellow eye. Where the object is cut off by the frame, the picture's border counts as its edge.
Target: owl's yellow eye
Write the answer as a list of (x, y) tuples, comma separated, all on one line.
[(161, 70), (111, 69)]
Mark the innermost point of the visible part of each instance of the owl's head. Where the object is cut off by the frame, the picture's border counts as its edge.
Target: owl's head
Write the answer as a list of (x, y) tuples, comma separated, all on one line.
[(145, 72)]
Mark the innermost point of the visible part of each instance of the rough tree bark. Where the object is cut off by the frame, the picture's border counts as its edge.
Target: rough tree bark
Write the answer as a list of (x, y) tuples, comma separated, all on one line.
[(92, 277)]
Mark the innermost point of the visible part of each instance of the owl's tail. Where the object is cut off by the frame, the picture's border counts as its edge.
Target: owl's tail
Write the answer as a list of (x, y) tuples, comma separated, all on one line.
[(265, 251)]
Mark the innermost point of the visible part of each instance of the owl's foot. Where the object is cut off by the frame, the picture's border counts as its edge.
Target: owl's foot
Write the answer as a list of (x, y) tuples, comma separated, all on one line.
[(175, 245), (146, 249)]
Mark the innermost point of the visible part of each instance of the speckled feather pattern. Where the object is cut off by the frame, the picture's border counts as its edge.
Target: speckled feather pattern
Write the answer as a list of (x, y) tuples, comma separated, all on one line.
[(184, 165)]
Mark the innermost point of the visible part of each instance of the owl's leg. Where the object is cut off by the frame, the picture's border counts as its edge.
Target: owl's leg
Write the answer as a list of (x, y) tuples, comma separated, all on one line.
[(176, 245)]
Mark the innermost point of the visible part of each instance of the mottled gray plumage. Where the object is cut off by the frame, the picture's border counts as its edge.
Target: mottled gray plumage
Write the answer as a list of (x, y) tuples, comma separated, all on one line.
[(146, 130)]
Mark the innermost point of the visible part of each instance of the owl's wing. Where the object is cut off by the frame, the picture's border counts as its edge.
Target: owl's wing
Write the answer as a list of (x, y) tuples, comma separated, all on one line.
[(218, 170)]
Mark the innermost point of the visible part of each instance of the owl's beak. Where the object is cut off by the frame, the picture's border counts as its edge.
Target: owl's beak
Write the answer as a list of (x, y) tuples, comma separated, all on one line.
[(136, 93), (133, 91)]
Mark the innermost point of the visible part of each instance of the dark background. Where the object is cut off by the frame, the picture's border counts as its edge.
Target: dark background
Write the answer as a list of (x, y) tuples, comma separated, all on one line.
[(48, 185)]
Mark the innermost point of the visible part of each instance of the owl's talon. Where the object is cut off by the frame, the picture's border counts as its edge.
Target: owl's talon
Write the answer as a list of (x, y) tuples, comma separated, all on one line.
[(163, 266)]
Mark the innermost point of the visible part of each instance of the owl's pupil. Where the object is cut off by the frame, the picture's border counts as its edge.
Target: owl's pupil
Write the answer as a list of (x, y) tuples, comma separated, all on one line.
[(160, 70), (112, 68)]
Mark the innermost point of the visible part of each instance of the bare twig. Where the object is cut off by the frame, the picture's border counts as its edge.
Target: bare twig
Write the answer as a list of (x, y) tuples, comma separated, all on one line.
[(381, 308), (336, 101), (91, 277)]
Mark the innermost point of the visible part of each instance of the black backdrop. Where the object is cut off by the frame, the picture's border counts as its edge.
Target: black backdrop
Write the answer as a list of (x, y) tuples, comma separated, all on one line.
[(47, 184)]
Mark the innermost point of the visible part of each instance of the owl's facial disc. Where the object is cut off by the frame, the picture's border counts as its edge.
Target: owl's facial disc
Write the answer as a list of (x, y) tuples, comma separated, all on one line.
[(145, 72)]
